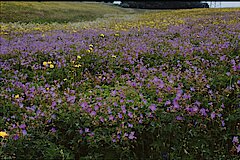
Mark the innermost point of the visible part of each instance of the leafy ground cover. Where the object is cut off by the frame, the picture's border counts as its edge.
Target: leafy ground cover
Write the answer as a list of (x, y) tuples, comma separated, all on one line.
[(155, 85)]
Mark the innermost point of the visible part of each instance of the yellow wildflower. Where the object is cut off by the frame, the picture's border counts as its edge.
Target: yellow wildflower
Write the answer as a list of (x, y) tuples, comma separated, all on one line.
[(44, 63), (3, 134), (47, 89), (88, 51), (117, 35), (78, 65), (51, 66), (90, 45), (79, 57), (17, 96), (49, 62), (102, 35), (65, 79), (73, 62), (113, 56)]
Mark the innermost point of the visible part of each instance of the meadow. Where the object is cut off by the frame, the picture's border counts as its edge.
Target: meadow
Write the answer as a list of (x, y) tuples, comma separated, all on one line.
[(93, 81)]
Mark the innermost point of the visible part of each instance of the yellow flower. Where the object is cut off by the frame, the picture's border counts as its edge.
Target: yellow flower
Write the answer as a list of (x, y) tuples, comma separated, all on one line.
[(77, 66), (90, 45), (17, 96), (102, 35), (79, 57), (117, 35), (113, 56), (51, 66), (65, 79), (3, 134), (49, 62), (88, 51), (44, 63), (47, 89), (73, 62)]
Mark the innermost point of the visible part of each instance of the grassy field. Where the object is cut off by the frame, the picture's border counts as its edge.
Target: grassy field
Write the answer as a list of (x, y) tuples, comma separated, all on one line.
[(115, 83), (41, 12)]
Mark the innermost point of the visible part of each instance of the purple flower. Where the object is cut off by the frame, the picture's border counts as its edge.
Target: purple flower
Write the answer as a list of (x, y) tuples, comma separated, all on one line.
[(24, 132), (179, 118), (15, 137), (86, 130), (130, 114), (223, 123), (111, 117), (120, 115), (130, 125), (213, 115), (238, 148), (235, 140), (22, 126), (131, 135), (93, 113), (203, 112), (152, 107), (53, 130)]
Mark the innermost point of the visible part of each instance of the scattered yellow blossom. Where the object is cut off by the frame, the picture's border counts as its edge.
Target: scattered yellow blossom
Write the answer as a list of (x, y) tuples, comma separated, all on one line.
[(65, 79), (49, 62), (113, 56), (102, 35), (47, 89), (51, 66), (90, 45), (88, 51), (117, 35), (78, 65), (79, 57), (17, 96), (3, 134), (44, 63), (73, 62)]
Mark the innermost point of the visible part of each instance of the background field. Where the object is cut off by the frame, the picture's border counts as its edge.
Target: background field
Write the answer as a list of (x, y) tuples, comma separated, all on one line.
[(62, 12)]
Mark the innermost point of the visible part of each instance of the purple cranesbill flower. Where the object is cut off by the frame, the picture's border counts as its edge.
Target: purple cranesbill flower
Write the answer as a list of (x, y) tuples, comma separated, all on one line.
[(120, 115), (53, 130), (130, 114), (131, 135), (80, 131), (159, 100), (111, 117), (125, 135), (114, 140), (223, 123), (96, 107), (179, 118), (93, 113), (175, 104), (130, 125), (152, 107), (86, 130), (203, 112), (168, 102), (15, 137), (235, 140), (213, 115), (22, 126), (238, 148), (24, 132)]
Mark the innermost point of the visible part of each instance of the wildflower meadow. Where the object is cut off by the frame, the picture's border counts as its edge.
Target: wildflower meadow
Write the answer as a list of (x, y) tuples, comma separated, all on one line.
[(142, 85)]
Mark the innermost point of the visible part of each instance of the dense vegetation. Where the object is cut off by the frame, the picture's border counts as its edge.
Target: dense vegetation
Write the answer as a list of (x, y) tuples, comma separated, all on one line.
[(147, 85)]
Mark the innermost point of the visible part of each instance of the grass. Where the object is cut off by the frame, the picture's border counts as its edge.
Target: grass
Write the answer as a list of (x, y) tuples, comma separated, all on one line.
[(62, 12)]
